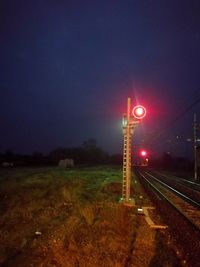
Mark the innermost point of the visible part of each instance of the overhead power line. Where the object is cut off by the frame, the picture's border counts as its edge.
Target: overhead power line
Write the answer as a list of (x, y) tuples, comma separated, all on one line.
[(178, 117)]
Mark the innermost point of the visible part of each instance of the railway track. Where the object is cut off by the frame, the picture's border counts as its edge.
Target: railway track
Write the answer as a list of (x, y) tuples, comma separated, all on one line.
[(180, 198), (188, 183), (179, 209)]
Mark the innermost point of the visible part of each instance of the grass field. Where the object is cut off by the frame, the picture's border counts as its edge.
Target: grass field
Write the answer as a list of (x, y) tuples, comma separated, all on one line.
[(72, 217)]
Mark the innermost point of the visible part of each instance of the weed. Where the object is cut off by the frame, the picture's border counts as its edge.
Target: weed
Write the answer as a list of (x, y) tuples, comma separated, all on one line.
[(88, 214)]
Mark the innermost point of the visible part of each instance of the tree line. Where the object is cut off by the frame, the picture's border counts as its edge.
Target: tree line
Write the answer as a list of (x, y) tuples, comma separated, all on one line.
[(87, 153), (90, 153)]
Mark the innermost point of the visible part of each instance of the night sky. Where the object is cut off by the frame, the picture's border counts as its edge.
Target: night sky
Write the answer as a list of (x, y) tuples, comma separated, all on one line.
[(67, 68)]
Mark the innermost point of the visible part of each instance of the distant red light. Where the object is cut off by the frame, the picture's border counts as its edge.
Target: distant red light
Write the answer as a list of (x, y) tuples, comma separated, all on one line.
[(139, 112), (143, 153)]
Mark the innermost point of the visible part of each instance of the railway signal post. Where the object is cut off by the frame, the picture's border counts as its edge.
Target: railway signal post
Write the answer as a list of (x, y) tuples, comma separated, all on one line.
[(130, 120)]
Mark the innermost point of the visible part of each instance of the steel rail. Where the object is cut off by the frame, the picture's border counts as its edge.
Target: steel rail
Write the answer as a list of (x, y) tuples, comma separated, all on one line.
[(176, 191), (194, 186), (170, 202)]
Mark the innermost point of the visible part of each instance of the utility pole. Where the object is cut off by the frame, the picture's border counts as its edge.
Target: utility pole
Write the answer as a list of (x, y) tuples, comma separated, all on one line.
[(129, 122), (195, 147)]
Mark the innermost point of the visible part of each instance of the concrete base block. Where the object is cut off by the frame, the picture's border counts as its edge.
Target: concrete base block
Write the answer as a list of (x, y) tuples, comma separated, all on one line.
[(130, 203)]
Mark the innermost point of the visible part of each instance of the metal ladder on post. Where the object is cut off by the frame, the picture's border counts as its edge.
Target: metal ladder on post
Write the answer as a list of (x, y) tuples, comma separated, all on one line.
[(129, 166), (124, 167)]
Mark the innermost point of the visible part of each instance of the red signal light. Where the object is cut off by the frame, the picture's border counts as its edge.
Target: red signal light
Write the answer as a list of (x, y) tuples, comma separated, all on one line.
[(143, 153), (139, 112)]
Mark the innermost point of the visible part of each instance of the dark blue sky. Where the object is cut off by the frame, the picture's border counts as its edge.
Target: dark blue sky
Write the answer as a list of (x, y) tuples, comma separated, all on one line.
[(67, 68)]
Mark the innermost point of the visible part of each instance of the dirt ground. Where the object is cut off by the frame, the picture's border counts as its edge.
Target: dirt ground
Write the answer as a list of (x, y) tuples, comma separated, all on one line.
[(72, 217)]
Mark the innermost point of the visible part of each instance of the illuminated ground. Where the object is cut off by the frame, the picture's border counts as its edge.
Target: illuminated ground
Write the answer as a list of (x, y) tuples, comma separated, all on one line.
[(57, 217)]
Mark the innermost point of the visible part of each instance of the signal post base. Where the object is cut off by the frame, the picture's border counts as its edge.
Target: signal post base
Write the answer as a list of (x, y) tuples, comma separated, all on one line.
[(130, 203)]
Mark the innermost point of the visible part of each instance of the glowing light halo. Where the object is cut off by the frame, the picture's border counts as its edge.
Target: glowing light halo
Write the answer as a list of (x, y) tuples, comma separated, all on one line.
[(143, 153), (139, 112)]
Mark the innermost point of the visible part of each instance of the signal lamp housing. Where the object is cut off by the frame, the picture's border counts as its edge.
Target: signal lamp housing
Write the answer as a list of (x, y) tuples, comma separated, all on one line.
[(139, 112)]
